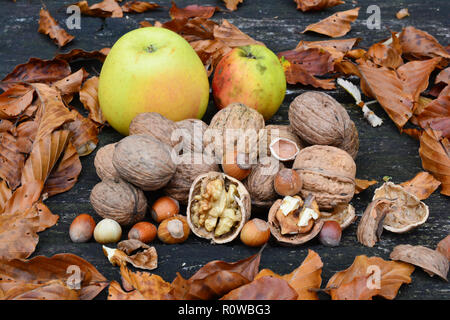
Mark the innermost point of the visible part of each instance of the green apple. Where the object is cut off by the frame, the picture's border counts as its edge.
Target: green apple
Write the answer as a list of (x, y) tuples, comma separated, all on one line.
[(251, 75), (152, 70)]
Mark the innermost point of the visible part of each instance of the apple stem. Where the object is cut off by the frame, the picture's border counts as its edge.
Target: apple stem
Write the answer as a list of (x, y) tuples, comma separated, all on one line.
[(151, 48)]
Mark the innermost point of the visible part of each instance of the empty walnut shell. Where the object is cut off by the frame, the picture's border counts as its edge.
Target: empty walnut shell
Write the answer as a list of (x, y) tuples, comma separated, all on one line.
[(119, 200), (189, 134), (189, 167), (279, 141), (328, 173), (234, 125), (318, 118), (344, 214), (155, 125), (431, 261), (242, 199), (409, 211), (260, 182), (293, 239), (144, 161), (103, 162)]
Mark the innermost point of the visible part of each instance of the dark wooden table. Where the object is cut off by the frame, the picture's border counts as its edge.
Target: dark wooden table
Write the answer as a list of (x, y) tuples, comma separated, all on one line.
[(383, 150)]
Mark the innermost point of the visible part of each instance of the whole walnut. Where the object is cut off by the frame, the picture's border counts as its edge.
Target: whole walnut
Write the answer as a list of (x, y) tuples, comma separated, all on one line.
[(235, 125), (189, 135), (260, 182), (318, 118), (155, 125), (144, 161), (119, 200), (189, 167), (103, 162), (328, 173)]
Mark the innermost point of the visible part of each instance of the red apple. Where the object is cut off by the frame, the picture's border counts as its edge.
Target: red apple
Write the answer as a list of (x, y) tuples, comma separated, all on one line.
[(251, 75)]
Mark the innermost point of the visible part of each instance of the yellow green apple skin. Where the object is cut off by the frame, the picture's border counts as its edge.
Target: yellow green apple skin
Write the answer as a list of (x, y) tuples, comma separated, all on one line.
[(152, 70), (251, 75)]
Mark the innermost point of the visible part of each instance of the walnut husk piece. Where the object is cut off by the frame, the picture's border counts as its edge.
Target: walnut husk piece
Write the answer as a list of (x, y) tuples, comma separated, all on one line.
[(201, 195), (155, 125), (318, 118), (370, 226), (189, 167), (343, 214), (409, 211), (431, 261), (328, 173), (103, 162), (119, 200), (144, 161), (290, 239)]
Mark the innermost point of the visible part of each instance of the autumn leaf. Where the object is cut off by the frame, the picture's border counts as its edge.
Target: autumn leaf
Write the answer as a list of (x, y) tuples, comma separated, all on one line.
[(435, 154), (34, 276), (5, 194), (215, 279), (420, 44), (362, 184), (315, 61), (336, 25), (15, 100), (338, 48), (444, 247), (89, 99), (77, 54), (232, 4), (37, 70), (139, 6), (232, 36), (70, 84), (103, 9), (11, 159), (296, 74), (84, 133), (436, 115), (192, 11), (49, 26), (422, 185), (316, 5), (386, 55), (23, 197), (387, 275)]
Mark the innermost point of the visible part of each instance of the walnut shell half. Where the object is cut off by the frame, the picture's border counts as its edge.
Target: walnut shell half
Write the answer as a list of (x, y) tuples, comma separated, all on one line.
[(144, 161), (218, 207), (119, 200), (279, 141), (344, 214), (328, 173), (293, 239), (409, 212)]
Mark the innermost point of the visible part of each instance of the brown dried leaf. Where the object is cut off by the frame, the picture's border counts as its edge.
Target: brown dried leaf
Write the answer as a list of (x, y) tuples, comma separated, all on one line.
[(5, 194), (338, 48), (77, 54), (370, 226), (391, 274), (70, 84), (232, 4), (436, 115), (296, 74), (420, 44), (67, 268), (51, 290), (315, 61), (103, 9), (362, 184), (336, 25), (356, 289), (264, 288), (215, 279), (431, 261), (49, 26), (443, 76), (89, 99), (139, 6), (11, 159), (316, 5), (231, 36), (386, 55), (23, 198), (192, 11), (422, 185), (37, 70), (15, 100), (436, 158), (84, 133), (444, 247)]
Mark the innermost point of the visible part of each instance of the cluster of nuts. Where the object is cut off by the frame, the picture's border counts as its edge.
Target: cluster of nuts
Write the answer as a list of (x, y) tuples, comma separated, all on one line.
[(304, 186)]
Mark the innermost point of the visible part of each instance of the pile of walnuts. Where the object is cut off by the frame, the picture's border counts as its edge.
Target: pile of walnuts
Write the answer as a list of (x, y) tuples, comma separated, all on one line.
[(219, 175)]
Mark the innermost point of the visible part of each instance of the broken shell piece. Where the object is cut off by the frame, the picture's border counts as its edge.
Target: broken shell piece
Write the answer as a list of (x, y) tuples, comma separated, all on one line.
[(344, 214), (402, 13), (431, 261), (285, 229), (284, 149), (371, 224), (409, 211), (218, 207), (280, 141), (146, 259)]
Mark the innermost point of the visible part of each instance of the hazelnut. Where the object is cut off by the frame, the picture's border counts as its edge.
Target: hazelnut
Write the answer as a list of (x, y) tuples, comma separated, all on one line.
[(107, 231), (236, 165), (164, 207), (330, 235), (82, 228), (173, 230), (143, 231), (255, 233), (287, 182)]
